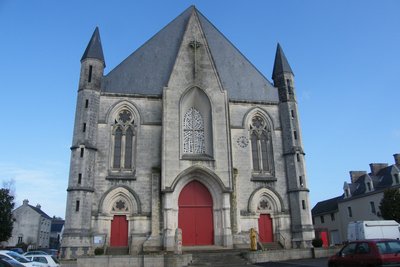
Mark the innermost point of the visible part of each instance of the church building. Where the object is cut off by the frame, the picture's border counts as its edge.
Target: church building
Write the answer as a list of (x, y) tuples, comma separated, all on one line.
[(185, 133)]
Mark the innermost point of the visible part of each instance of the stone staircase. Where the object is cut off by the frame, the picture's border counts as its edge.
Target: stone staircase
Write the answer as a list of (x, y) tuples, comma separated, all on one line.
[(272, 246), (117, 251), (218, 258)]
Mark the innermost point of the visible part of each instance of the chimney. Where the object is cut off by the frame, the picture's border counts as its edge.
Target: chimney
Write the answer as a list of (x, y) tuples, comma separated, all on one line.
[(397, 159), (354, 175), (376, 167), (25, 202), (38, 206)]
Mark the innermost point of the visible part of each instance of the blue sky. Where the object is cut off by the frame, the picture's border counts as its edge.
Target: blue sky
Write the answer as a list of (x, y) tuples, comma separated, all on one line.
[(345, 56)]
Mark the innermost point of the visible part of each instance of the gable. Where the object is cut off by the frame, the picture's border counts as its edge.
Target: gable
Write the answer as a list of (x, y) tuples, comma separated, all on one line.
[(147, 70)]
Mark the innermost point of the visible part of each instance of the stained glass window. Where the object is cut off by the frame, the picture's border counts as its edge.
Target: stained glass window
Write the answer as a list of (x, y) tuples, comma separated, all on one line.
[(193, 132)]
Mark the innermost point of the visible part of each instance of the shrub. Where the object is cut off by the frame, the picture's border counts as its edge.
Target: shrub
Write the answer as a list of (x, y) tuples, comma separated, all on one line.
[(317, 242), (99, 251)]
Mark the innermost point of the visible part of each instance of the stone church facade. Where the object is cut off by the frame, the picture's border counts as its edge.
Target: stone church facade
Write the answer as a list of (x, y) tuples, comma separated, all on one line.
[(185, 133)]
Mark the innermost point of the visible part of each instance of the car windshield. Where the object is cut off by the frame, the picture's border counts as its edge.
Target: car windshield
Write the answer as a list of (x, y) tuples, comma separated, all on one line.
[(17, 257), (388, 247)]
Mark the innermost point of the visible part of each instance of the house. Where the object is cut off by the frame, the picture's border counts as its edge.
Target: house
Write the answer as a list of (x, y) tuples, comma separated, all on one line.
[(31, 226), (185, 136), (359, 202), (57, 228)]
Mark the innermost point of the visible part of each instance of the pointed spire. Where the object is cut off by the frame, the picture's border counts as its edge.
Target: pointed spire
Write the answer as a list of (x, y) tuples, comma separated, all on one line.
[(94, 48), (281, 64)]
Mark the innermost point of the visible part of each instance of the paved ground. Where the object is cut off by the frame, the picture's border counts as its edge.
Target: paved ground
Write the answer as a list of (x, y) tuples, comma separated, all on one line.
[(297, 263), (294, 263)]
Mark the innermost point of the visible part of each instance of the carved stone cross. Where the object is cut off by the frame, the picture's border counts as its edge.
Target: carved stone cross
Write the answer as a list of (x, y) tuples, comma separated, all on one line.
[(195, 45)]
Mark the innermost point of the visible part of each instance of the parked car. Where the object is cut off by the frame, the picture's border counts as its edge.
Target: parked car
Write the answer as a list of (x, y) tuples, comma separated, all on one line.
[(50, 260), (375, 252), (21, 259), (18, 250), (34, 252), (6, 262)]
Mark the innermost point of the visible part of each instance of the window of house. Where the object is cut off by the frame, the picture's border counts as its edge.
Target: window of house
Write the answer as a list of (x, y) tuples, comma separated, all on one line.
[(349, 212), (19, 239), (193, 132), (123, 140), (372, 204), (369, 186), (322, 219), (261, 146), (332, 217)]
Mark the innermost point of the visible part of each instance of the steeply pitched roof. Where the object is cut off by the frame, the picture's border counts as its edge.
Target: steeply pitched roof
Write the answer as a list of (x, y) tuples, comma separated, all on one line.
[(281, 64), (326, 206), (147, 70), (383, 179), (40, 212), (57, 225), (94, 49)]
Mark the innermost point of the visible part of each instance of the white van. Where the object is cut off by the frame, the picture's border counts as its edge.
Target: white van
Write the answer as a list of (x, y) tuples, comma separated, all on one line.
[(359, 230)]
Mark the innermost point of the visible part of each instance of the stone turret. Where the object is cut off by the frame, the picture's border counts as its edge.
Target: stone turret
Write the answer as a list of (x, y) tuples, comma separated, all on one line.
[(283, 77), (77, 236)]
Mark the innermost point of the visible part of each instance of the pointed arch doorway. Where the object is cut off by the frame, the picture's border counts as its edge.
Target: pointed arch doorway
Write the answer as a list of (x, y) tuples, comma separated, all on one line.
[(195, 216)]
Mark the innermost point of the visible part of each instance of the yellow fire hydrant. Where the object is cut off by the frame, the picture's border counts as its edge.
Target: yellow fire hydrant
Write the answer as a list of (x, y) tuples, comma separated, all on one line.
[(253, 239)]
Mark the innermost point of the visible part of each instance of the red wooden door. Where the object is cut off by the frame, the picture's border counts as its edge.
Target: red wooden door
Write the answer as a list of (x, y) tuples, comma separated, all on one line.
[(119, 231), (195, 216), (324, 236), (265, 228)]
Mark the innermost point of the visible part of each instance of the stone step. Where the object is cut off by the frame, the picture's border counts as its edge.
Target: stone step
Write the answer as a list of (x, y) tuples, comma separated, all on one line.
[(218, 258), (272, 246), (117, 251)]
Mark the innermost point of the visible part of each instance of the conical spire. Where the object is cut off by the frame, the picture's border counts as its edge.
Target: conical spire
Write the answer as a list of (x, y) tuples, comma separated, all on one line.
[(281, 64), (94, 48)]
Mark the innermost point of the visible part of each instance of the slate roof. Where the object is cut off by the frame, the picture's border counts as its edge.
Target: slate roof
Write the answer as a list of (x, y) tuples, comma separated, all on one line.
[(326, 206), (40, 212), (281, 64), (383, 179), (94, 48), (147, 70), (57, 225)]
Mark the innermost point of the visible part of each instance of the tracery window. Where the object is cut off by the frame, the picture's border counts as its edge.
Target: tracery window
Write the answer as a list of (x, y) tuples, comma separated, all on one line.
[(193, 132), (123, 135), (261, 146)]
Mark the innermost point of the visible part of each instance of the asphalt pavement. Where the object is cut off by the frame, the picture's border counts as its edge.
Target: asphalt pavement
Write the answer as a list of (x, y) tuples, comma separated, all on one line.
[(323, 262)]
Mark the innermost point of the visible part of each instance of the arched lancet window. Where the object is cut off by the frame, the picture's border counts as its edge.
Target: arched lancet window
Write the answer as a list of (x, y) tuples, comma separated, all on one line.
[(193, 131), (261, 146), (123, 135)]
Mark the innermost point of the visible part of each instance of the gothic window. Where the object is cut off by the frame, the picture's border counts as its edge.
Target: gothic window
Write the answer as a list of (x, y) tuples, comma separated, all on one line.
[(123, 139), (193, 132), (261, 146)]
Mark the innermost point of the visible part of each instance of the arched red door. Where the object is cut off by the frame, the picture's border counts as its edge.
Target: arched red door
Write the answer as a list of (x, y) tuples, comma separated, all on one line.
[(265, 228), (195, 216)]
